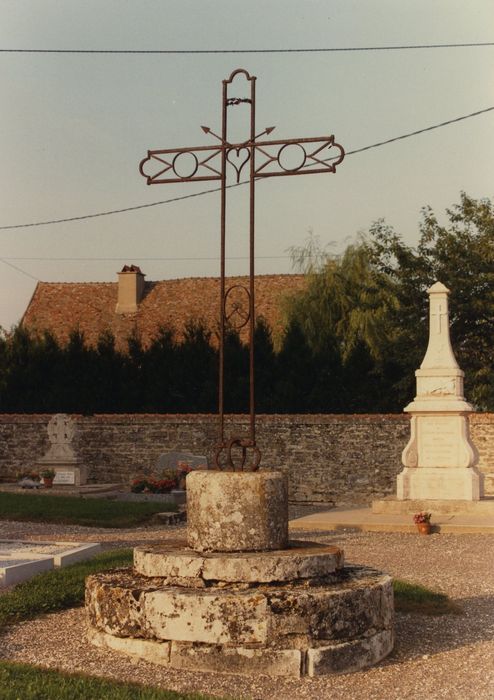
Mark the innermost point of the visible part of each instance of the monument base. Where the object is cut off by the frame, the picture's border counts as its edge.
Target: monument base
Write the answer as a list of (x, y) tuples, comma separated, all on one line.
[(74, 474), (295, 612), (242, 599), (438, 483), (394, 506)]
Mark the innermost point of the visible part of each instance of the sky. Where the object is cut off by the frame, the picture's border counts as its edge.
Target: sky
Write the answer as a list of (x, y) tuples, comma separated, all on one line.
[(74, 127)]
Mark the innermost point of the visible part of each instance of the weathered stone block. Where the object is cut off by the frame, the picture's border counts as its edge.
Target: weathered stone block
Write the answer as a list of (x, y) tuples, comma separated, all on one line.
[(219, 617), (237, 511), (347, 610), (201, 657), (152, 651), (182, 566), (114, 603), (350, 656)]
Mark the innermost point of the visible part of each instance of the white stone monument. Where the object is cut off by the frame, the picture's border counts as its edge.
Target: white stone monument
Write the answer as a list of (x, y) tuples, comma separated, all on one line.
[(439, 459), (61, 456)]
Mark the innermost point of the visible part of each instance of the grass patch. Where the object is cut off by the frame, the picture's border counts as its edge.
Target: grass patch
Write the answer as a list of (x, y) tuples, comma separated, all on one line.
[(92, 512), (30, 683), (58, 589), (412, 597)]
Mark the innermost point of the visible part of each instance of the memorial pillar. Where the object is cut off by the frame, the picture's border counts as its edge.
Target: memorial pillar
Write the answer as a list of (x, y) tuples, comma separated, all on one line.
[(439, 458)]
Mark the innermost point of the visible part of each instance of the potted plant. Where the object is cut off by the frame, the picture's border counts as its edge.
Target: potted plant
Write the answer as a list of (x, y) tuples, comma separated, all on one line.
[(48, 475), (423, 522)]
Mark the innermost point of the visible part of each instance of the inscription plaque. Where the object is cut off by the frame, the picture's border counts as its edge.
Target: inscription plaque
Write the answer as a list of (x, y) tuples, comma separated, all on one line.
[(64, 478), (438, 442)]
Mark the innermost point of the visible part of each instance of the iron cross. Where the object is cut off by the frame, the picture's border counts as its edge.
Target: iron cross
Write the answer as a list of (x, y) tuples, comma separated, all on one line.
[(263, 158)]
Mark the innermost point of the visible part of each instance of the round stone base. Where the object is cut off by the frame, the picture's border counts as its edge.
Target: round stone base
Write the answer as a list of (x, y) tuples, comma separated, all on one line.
[(342, 624), (237, 511), (345, 657), (180, 566)]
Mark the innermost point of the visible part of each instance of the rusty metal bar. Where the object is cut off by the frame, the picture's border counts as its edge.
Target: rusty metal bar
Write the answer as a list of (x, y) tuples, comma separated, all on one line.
[(232, 451), (252, 263), (221, 387)]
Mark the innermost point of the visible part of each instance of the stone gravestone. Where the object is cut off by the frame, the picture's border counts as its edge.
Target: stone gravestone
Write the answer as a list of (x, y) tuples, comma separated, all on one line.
[(61, 455), (171, 460)]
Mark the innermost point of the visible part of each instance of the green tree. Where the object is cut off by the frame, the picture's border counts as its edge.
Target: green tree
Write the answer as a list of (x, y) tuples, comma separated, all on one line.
[(79, 376), (346, 298), (158, 373), (108, 368), (197, 370), (265, 368), (236, 373), (461, 256)]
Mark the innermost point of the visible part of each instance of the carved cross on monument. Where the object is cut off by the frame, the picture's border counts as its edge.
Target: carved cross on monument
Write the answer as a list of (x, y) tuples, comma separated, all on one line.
[(439, 314), (265, 158)]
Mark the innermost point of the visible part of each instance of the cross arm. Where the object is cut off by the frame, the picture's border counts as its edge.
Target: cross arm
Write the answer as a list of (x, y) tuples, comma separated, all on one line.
[(305, 156), (181, 165)]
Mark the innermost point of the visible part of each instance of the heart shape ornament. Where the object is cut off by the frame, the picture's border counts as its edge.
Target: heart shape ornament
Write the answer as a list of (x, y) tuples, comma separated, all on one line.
[(238, 157)]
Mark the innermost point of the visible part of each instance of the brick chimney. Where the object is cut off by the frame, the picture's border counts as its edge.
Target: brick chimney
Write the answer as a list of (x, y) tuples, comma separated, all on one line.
[(130, 289)]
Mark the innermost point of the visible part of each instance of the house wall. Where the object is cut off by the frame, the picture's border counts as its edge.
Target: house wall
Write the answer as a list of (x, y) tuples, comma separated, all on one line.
[(328, 458)]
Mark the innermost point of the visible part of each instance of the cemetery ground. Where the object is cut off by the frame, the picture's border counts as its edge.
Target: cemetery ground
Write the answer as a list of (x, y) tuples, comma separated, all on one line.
[(82, 511), (449, 655)]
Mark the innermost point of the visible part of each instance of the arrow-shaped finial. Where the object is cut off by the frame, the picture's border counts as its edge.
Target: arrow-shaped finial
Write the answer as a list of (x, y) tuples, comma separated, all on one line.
[(207, 130)]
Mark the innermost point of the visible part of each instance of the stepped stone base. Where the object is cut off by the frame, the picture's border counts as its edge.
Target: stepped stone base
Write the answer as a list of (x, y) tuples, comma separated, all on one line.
[(239, 597), (343, 657), (393, 505), (337, 622)]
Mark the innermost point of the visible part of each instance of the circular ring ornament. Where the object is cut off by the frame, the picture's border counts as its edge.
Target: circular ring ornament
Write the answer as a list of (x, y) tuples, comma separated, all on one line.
[(236, 306), (185, 165), (291, 157)]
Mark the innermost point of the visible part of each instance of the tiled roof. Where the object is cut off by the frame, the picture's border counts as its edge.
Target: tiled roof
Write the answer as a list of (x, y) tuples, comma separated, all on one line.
[(90, 306)]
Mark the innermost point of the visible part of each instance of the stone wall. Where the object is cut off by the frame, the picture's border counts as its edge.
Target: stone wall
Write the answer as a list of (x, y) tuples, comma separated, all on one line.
[(329, 458)]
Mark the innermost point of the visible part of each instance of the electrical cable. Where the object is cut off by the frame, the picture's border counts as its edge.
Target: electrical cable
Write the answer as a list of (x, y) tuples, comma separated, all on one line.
[(153, 259), (403, 47), (23, 272)]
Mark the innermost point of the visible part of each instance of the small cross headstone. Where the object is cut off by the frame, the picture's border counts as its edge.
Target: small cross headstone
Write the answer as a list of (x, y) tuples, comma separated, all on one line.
[(61, 432), (61, 455), (173, 460)]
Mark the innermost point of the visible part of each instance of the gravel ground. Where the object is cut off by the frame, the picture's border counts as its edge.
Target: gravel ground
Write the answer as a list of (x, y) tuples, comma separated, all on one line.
[(435, 657)]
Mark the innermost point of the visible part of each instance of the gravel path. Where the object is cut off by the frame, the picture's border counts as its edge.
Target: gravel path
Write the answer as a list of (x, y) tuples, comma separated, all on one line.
[(435, 657)]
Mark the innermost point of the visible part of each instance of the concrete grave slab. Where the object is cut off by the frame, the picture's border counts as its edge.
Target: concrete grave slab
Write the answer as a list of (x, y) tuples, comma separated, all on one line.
[(13, 571), (20, 560)]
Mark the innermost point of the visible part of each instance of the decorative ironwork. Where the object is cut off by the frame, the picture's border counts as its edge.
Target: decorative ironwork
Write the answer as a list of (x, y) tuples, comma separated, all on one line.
[(236, 306), (268, 158)]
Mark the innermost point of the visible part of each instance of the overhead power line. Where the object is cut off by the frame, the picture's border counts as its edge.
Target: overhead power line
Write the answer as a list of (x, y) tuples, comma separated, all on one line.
[(138, 259), (18, 269), (404, 47), (217, 189)]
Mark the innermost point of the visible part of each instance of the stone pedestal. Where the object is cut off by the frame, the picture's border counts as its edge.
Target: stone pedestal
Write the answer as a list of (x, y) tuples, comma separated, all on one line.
[(240, 598), (66, 473), (237, 511)]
